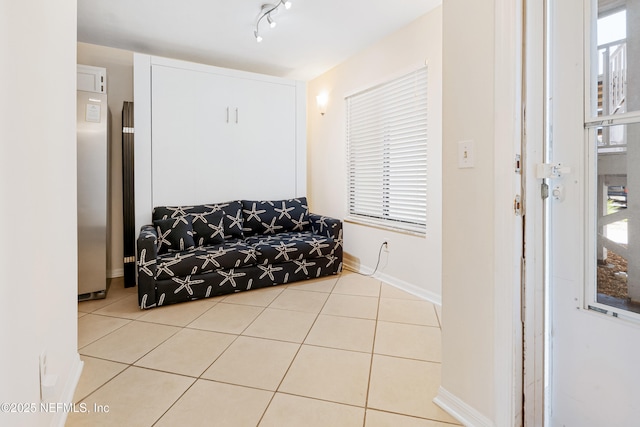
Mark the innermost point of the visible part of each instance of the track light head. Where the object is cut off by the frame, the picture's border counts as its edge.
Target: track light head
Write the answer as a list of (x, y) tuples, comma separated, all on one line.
[(257, 36), (287, 4), (271, 22)]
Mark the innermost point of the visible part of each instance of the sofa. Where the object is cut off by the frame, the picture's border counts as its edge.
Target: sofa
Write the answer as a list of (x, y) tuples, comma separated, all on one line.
[(201, 251)]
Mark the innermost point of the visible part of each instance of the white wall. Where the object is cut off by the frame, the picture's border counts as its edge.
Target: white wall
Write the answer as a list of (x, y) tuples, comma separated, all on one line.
[(468, 205), (413, 263), (119, 65), (38, 259)]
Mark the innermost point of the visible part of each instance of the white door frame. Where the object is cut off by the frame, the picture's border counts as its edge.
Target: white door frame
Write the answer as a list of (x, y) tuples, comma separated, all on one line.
[(534, 278), (508, 226)]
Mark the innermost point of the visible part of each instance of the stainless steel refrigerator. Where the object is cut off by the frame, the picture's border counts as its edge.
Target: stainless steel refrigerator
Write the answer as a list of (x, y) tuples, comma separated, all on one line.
[(92, 164)]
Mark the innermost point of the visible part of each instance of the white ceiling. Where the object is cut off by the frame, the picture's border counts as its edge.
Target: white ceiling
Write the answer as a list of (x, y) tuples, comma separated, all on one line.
[(311, 37)]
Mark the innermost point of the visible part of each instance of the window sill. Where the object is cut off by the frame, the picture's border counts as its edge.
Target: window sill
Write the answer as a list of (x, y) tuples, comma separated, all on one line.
[(413, 231)]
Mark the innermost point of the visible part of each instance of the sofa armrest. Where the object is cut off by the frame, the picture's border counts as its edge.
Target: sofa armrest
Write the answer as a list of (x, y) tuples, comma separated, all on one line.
[(147, 251), (326, 226), (332, 228)]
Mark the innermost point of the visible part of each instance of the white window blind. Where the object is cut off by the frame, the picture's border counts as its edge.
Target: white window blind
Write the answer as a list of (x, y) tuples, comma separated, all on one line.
[(387, 153)]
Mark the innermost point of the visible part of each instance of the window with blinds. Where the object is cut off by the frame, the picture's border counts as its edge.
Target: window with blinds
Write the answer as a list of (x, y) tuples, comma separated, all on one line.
[(387, 153)]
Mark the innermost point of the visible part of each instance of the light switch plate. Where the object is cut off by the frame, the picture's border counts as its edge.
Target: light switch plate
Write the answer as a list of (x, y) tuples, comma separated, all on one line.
[(465, 154)]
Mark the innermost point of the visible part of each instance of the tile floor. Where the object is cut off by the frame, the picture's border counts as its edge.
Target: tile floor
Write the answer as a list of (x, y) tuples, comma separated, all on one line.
[(343, 350)]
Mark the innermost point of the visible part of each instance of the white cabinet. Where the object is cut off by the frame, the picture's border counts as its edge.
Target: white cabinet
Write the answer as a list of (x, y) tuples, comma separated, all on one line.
[(211, 134)]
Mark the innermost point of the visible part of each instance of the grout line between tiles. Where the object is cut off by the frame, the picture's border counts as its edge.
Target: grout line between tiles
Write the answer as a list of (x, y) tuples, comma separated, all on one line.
[(298, 351), (373, 349)]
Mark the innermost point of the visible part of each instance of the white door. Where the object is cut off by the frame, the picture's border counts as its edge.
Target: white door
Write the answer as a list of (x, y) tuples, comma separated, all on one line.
[(593, 229)]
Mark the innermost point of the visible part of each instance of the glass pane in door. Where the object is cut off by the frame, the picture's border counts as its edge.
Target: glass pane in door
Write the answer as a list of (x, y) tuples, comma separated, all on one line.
[(618, 218), (615, 92)]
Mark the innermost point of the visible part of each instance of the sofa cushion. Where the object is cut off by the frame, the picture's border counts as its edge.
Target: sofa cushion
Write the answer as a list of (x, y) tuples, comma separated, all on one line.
[(208, 228), (291, 246), (233, 219), (275, 216), (230, 254), (174, 234)]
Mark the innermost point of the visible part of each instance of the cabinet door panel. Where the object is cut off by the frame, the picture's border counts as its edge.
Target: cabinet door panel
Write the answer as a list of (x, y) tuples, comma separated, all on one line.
[(268, 141), (218, 137), (188, 128)]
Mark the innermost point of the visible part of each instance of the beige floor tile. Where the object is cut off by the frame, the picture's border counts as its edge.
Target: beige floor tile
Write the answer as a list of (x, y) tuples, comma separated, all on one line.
[(136, 397), (356, 284), (126, 307), (95, 304), (322, 284), (92, 327), (408, 311), (329, 374), (294, 411), (410, 341), (406, 387), (259, 297), (209, 403), (346, 333), (282, 325), (351, 306), (95, 373), (189, 352), (294, 300), (388, 291), (253, 362), (117, 289), (130, 342), (227, 318), (178, 314), (81, 314), (386, 419)]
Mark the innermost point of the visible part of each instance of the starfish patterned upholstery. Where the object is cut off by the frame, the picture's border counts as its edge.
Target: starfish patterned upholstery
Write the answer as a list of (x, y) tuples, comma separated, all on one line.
[(200, 251)]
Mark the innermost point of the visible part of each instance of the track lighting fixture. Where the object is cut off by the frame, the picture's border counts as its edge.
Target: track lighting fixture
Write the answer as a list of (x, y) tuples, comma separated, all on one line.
[(267, 11)]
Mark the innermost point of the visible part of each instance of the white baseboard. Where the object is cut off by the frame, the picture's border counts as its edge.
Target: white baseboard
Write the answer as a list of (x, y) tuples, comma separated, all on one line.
[(60, 417), (459, 410), (397, 283), (116, 272)]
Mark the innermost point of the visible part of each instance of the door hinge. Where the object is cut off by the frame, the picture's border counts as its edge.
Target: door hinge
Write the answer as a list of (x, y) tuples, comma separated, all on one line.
[(551, 170), (517, 205), (128, 130), (518, 167)]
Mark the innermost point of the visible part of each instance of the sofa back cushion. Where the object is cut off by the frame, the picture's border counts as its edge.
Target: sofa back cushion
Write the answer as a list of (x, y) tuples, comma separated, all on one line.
[(174, 234), (275, 216), (231, 211), (208, 228)]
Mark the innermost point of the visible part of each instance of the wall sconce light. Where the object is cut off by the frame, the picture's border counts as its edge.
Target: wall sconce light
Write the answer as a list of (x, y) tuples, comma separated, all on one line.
[(322, 100)]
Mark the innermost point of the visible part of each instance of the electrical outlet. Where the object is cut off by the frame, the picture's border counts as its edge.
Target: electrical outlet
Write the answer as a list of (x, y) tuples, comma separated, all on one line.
[(47, 381)]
